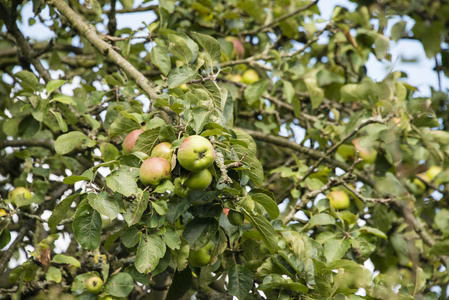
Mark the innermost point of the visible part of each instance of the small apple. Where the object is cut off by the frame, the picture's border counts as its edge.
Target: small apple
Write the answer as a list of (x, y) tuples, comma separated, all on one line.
[(202, 256), (19, 193), (367, 154), (338, 200), (250, 76), (130, 141), (239, 50), (184, 87), (236, 218), (199, 181), (180, 190), (433, 172), (154, 170), (196, 153), (163, 150), (234, 77), (94, 285)]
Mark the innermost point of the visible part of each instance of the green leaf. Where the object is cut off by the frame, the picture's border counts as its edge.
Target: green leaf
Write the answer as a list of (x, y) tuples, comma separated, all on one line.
[(289, 91), (109, 152), (87, 227), (265, 229), (64, 259), (211, 45), (199, 232), (160, 58), (28, 80), (64, 99), (398, 30), (181, 283), (180, 76), (61, 122), (373, 231), (200, 117), (104, 204), (131, 237), (240, 281), (119, 285), (53, 85), (321, 219), (53, 274), (67, 142), (122, 183), (202, 197), (180, 48), (137, 207), (268, 203), (381, 46), (315, 92), (147, 140), (336, 248), (61, 210), (151, 249), (254, 91), (440, 248), (172, 238)]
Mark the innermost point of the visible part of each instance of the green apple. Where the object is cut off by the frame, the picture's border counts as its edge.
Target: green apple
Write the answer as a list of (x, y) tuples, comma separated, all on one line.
[(196, 153), (94, 285), (180, 190), (234, 77), (250, 76), (235, 217), (202, 256), (199, 181), (239, 50), (154, 170), (130, 141), (368, 154), (184, 87), (163, 150), (18, 194), (338, 199)]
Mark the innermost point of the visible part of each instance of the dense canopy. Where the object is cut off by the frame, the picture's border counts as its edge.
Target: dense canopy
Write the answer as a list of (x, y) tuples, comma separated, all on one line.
[(322, 182)]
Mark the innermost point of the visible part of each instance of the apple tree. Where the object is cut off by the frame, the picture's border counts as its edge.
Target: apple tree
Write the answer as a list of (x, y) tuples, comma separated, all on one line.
[(221, 150)]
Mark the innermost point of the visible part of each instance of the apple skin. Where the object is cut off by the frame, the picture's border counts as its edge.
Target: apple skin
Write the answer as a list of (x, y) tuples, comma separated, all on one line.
[(234, 77), (250, 76), (163, 150), (226, 211), (184, 87), (236, 218), (94, 285), (239, 50), (153, 170), (368, 155), (196, 153), (26, 194), (130, 141), (202, 256), (180, 190), (338, 200), (199, 181)]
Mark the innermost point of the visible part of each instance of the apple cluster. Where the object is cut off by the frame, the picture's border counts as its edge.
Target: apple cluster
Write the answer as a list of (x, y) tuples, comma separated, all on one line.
[(195, 154)]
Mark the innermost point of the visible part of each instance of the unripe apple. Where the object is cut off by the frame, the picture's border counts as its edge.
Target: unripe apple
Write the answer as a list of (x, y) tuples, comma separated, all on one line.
[(184, 87), (163, 150), (250, 76), (180, 190), (338, 200), (94, 285), (367, 154), (19, 193), (236, 218), (199, 181), (239, 50), (130, 141), (202, 256), (234, 77), (196, 153), (154, 170)]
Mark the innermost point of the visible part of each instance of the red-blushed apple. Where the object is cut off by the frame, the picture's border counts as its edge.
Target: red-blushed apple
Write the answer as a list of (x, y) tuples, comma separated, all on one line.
[(368, 154), (199, 181), (196, 153), (202, 256), (239, 50), (154, 170), (338, 199), (250, 76), (226, 211), (94, 285), (130, 141), (163, 150)]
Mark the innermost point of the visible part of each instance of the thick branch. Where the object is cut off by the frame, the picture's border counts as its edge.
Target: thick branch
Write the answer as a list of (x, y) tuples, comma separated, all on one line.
[(89, 32)]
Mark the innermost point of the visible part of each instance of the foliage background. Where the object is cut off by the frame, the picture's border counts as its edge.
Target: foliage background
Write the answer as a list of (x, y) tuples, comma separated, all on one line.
[(320, 98)]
